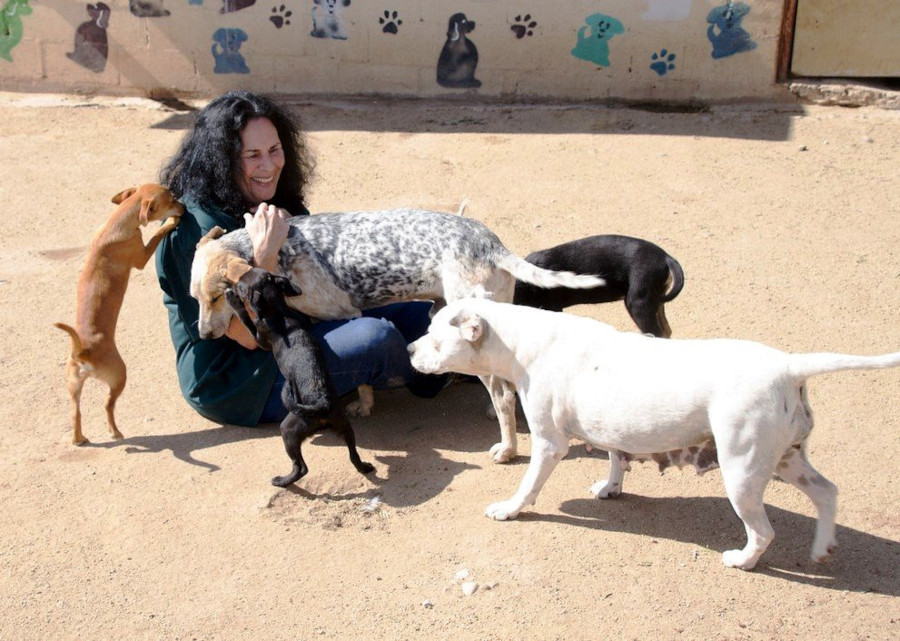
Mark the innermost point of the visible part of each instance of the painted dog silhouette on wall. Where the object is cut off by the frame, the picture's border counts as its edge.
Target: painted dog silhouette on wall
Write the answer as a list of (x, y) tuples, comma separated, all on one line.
[(91, 44), (459, 57)]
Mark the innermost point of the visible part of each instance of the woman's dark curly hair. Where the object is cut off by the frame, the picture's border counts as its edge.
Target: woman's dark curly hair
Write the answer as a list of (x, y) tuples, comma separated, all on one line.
[(208, 164)]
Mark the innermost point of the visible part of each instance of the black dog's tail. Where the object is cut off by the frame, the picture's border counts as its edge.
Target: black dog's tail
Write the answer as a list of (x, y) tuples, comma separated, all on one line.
[(677, 278), (308, 409)]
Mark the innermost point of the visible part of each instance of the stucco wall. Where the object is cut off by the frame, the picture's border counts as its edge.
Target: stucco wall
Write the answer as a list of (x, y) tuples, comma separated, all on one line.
[(656, 50)]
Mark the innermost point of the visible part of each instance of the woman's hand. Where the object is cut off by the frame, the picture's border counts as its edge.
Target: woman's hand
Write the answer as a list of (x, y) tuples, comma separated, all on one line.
[(268, 229)]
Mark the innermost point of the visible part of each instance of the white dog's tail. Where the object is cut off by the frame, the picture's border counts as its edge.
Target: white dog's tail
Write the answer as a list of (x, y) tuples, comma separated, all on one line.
[(534, 275), (802, 366)]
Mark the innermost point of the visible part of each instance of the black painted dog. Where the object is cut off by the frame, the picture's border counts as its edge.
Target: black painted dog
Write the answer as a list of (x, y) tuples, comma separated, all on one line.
[(634, 269), (308, 393)]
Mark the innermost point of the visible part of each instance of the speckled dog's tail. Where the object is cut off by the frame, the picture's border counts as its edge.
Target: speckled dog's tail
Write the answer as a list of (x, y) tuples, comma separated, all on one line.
[(534, 275)]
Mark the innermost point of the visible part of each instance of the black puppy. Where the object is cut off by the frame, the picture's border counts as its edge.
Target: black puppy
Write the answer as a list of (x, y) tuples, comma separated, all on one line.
[(308, 393), (634, 269)]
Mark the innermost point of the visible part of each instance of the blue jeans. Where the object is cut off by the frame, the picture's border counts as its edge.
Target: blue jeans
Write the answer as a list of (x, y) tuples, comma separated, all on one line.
[(368, 350)]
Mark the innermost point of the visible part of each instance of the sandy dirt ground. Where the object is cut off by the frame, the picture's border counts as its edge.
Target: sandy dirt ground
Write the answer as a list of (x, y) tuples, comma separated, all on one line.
[(787, 223)]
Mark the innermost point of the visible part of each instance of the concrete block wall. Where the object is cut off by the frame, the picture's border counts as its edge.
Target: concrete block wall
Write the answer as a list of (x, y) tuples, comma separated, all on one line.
[(636, 50)]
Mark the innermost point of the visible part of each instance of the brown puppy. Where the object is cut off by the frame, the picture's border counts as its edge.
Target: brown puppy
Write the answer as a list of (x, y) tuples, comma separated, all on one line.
[(115, 249)]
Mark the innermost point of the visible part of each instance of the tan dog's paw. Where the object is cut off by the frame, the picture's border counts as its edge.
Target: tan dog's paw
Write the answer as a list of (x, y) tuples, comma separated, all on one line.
[(364, 404), (355, 409), (170, 223), (503, 453)]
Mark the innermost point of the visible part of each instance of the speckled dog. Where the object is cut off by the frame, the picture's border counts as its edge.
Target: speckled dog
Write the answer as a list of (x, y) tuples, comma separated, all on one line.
[(350, 261)]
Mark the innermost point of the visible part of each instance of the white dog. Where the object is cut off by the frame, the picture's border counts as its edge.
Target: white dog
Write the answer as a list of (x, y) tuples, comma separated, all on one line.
[(730, 403)]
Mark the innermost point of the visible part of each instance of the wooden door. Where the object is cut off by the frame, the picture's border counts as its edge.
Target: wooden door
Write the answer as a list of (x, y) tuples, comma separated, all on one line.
[(836, 38)]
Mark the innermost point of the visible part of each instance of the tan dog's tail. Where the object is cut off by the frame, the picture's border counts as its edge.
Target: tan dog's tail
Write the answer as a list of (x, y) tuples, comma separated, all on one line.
[(534, 275), (802, 366), (76, 339)]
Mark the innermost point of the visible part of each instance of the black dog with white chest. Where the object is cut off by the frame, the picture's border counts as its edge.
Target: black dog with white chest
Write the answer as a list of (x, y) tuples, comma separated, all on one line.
[(308, 393), (634, 269)]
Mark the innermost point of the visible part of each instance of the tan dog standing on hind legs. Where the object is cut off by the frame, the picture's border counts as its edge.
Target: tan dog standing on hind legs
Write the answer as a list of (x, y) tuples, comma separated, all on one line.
[(115, 249)]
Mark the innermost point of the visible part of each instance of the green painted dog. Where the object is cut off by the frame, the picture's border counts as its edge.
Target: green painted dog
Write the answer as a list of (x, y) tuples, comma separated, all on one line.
[(11, 26)]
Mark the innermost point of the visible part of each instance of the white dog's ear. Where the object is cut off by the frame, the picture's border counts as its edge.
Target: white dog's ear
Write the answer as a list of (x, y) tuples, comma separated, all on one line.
[(471, 327)]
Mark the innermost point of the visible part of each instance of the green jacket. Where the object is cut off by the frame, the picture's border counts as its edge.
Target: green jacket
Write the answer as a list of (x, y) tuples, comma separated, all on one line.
[(223, 381)]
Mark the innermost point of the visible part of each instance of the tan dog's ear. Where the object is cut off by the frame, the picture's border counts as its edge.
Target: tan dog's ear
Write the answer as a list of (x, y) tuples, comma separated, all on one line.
[(212, 234), (471, 327), (147, 206), (123, 195), (235, 268)]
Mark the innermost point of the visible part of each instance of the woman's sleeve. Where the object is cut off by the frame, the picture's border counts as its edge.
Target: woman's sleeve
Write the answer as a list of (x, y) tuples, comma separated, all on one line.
[(173, 268)]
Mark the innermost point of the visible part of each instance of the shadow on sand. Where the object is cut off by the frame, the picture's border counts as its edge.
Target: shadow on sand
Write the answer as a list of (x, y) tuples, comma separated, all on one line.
[(455, 422)]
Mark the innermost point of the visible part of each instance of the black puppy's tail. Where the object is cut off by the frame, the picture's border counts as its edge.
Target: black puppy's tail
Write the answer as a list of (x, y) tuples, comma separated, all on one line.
[(677, 278), (319, 408)]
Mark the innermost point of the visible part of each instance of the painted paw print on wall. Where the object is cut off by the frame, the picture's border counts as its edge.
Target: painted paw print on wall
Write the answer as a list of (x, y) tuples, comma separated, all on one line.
[(390, 22), (280, 17), (524, 26), (663, 62)]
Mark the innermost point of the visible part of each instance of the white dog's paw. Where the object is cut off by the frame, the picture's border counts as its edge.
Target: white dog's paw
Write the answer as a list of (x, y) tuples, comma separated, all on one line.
[(738, 559), (502, 453), (819, 556), (503, 511), (606, 490)]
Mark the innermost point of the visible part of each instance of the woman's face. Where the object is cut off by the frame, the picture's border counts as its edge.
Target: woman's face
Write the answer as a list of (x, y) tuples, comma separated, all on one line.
[(262, 159)]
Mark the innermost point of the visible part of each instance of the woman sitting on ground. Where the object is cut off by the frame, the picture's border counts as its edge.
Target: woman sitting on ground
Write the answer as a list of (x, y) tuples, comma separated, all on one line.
[(246, 154)]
